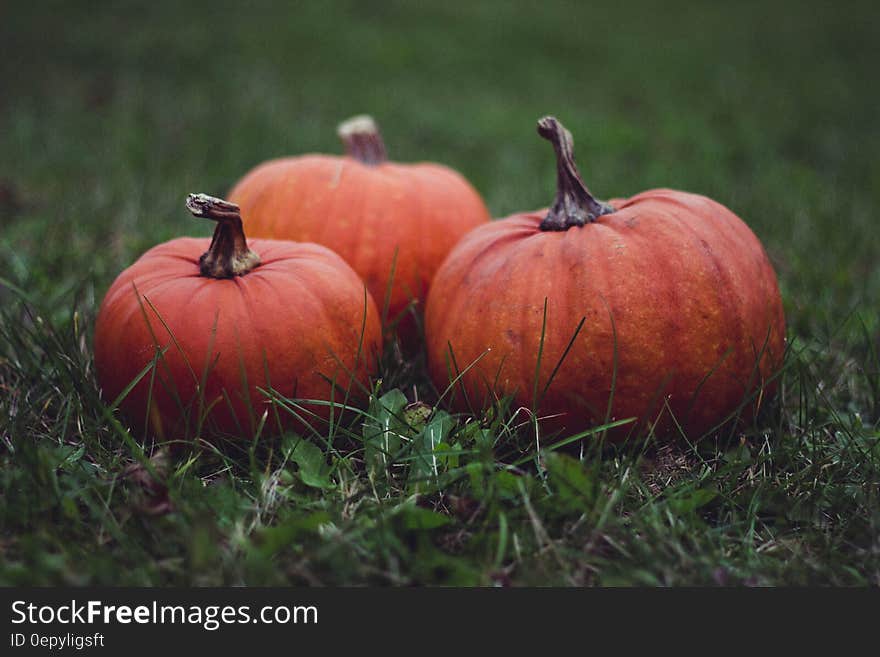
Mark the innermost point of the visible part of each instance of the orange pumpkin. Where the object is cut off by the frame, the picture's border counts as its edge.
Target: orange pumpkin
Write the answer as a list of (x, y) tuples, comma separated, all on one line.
[(227, 320), (659, 306), (385, 219)]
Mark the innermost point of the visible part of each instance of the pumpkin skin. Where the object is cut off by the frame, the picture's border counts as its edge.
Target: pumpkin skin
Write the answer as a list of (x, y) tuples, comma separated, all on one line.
[(291, 323), (681, 307), (376, 214)]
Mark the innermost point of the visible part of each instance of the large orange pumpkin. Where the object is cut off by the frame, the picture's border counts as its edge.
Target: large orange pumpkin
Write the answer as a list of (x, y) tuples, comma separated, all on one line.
[(660, 306), (227, 320), (383, 218)]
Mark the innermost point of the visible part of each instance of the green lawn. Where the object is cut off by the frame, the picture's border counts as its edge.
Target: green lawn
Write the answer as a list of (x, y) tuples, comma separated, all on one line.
[(109, 118)]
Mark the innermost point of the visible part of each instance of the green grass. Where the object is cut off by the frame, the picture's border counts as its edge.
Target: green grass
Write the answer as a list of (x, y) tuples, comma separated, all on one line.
[(109, 118)]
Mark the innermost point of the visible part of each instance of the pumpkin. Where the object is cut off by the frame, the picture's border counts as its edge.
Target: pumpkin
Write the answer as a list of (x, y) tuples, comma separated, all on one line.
[(662, 309), (393, 223), (224, 318)]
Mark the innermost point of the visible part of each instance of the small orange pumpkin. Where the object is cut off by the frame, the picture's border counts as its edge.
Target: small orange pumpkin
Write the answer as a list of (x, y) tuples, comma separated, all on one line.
[(383, 218), (227, 320), (660, 306)]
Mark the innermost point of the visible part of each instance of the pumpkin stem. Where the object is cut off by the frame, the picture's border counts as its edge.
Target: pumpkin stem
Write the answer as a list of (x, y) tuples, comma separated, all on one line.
[(362, 140), (228, 254), (574, 204)]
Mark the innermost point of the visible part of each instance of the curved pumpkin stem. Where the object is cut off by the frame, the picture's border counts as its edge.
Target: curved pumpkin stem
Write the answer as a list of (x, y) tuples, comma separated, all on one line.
[(228, 255), (574, 204), (362, 140)]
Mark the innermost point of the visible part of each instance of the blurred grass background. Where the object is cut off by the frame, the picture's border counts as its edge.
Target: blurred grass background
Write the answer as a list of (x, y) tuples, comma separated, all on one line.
[(110, 115)]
